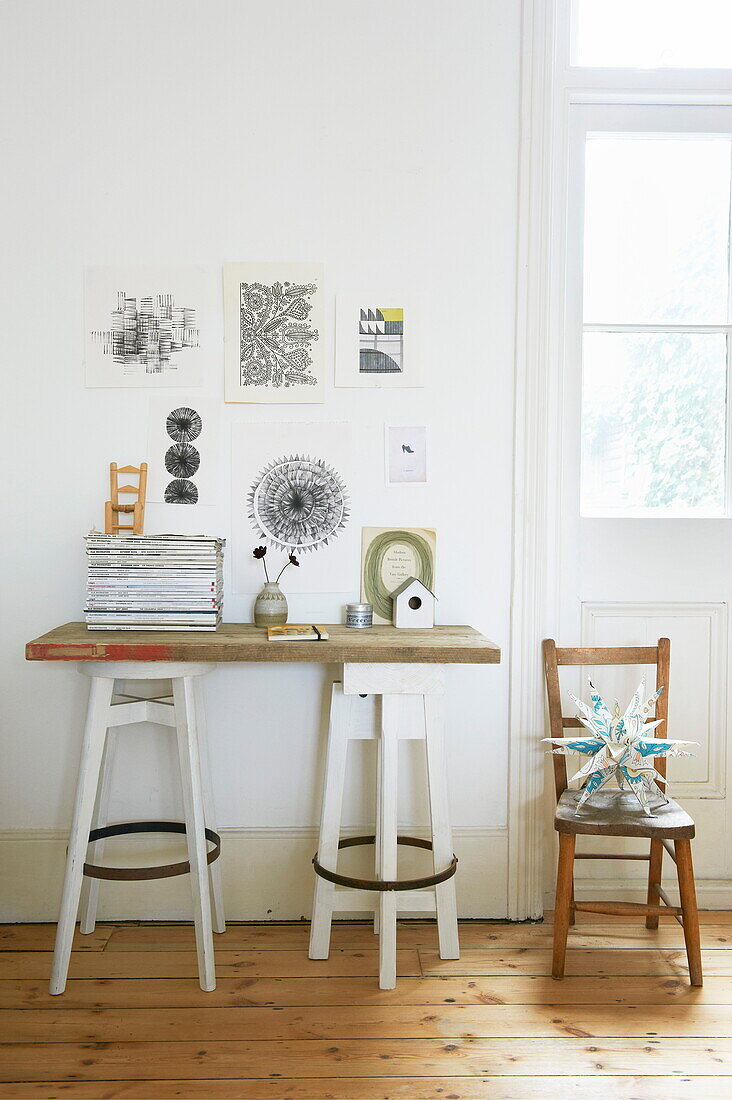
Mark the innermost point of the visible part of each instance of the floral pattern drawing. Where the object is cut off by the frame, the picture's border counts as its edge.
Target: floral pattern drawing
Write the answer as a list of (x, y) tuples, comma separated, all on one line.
[(275, 335)]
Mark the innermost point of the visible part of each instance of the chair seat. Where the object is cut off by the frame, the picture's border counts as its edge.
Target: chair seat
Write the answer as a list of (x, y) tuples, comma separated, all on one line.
[(618, 813)]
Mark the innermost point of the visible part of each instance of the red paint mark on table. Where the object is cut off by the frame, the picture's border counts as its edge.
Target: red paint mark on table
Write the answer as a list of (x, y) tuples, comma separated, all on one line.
[(120, 651)]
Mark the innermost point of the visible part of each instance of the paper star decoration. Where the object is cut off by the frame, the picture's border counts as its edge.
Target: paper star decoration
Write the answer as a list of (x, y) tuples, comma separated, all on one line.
[(619, 746)]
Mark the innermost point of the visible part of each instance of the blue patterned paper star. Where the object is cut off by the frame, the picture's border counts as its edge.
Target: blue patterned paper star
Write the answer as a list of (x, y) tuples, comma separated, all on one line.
[(620, 746)]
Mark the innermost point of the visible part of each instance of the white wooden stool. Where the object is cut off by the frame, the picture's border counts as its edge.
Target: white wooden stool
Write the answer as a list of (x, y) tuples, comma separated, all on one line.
[(179, 707), (367, 707)]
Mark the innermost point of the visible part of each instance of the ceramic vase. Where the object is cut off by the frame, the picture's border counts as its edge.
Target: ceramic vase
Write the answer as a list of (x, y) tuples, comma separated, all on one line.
[(270, 606)]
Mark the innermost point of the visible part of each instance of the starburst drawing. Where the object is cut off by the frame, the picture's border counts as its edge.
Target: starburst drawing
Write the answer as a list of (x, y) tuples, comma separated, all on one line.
[(181, 491), (299, 503), (183, 425), (275, 336), (182, 460), (622, 746)]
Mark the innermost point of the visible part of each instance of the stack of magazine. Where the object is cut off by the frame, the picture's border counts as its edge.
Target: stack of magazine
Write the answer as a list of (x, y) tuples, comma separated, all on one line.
[(154, 582)]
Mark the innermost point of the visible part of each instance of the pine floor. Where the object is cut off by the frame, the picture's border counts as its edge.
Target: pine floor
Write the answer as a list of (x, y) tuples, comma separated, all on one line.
[(133, 1022)]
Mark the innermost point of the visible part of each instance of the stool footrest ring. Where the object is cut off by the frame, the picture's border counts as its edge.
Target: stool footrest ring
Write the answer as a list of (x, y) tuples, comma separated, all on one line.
[(385, 884), (130, 874)]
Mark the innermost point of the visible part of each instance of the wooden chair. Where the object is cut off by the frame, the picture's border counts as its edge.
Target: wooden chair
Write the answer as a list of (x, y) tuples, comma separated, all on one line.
[(136, 508), (617, 813)]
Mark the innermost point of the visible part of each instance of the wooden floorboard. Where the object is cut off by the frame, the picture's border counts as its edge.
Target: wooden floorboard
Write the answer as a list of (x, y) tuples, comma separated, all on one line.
[(623, 1025), (282, 992), (379, 1088)]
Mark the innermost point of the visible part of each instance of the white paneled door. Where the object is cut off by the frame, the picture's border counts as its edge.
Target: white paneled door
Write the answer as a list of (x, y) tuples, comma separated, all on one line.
[(647, 494)]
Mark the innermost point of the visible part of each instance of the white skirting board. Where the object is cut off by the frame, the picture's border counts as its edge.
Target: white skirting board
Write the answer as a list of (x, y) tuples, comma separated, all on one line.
[(267, 874)]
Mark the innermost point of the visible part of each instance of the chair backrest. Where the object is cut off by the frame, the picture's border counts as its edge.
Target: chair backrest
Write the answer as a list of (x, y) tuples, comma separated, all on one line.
[(658, 655)]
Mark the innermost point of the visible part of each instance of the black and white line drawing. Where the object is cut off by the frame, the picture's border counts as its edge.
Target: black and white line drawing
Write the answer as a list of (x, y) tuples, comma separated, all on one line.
[(182, 460), (298, 502), (143, 326), (183, 425), (274, 332), (149, 331), (181, 491), (183, 450), (276, 336)]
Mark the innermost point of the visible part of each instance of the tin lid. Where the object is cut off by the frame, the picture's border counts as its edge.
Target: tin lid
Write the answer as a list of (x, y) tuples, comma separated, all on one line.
[(356, 607)]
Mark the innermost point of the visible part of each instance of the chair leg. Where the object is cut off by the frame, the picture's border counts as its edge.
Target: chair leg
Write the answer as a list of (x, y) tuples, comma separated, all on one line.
[(690, 913), (442, 848), (562, 903), (387, 851), (655, 868), (214, 869), (330, 821), (572, 918), (190, 774), (97, 720), (90, 886)]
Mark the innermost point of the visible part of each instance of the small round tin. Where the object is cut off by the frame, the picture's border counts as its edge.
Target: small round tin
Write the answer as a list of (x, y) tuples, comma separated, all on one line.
[(359, 615)]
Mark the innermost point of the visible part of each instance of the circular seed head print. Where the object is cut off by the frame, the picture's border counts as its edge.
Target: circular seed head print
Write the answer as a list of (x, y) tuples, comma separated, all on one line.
[(183, 425), (182, 460), (181, 491), (298, 503)]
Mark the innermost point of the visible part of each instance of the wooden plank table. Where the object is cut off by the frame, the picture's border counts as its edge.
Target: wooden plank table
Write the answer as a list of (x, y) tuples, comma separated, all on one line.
[(246, 642), (379, 661)]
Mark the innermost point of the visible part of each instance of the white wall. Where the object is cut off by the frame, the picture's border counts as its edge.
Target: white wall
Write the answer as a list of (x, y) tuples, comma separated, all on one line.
[(378, 138)]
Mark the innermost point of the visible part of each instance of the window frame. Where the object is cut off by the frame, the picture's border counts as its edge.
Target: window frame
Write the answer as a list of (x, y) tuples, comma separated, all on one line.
[(678, 83), (632, 119)]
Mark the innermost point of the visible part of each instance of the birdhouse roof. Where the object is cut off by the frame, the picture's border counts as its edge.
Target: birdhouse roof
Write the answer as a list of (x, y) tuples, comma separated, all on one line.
[(407, 584)]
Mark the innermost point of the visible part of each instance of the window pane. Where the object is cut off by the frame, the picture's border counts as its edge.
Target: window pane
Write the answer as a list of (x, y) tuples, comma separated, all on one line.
[(649, 34), (656, 230), (653, 423)]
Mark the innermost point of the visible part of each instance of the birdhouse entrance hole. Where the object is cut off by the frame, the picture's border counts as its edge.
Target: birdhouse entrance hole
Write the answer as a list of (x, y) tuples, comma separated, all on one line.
[(415, 603)]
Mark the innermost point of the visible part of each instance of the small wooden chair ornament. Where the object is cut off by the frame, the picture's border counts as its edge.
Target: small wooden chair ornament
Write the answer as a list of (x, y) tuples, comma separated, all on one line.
[(137, 508)]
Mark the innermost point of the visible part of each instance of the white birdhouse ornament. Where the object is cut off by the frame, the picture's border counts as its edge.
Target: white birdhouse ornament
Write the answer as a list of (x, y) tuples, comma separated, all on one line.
[(413, 605)]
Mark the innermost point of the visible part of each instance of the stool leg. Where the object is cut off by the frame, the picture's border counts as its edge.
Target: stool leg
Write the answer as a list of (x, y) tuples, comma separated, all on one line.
[(387, 851), (97, 720), (190, 773), (90, 886), (377, 829), (442, 849), (214, 869), (330, 821)]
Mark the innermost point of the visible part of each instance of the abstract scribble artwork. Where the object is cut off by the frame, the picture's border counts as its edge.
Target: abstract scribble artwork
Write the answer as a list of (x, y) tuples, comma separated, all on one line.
[(380, 341), (619, 746), (376, 345), (183, 446), (274, 332), (143, 326), (297, 502), (148, 331)]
